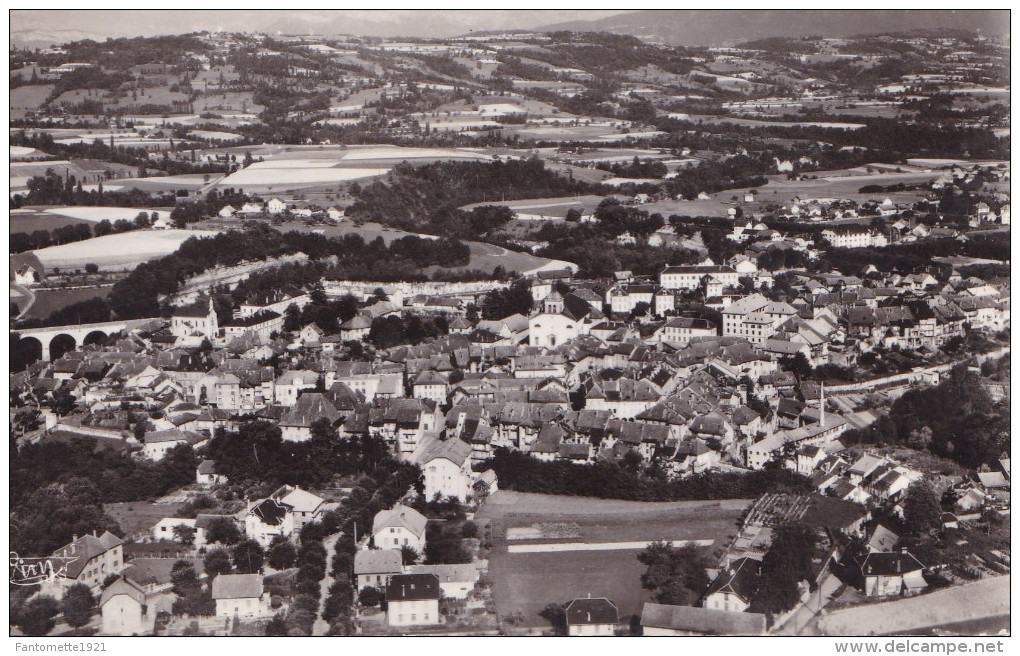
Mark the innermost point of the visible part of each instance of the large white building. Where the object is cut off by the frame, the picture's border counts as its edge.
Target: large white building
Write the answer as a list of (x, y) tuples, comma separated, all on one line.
[(755, 318), (860, 238), (689, 277), (446, 465), (398, 527), (558, 320)]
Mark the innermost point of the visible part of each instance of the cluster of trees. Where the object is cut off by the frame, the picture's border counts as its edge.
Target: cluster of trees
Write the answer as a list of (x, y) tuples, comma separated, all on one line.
[(389, 331), (58, 488), (37, 616), (326, 314), (614, 219), (52, 189), (138, 294), (256, 454), (427, 198), (519, 471), (503, 302), (956, 419), (598, 258), (737, 172), (675, 575), (649, 168), (787, 562)]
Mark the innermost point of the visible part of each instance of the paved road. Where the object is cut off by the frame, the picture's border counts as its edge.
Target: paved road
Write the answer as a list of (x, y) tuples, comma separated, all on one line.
[(802, 622), (27, 294), (321, 626)]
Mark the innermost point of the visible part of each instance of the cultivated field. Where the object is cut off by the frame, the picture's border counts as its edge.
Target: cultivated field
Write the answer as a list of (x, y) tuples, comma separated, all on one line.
[(30, 220), (48, 301), (121, 251), (527, 582), (283, 174)]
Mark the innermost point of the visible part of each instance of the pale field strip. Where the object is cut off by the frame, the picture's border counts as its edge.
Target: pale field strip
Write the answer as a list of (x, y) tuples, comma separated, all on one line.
[(597, 546), (97, 214)]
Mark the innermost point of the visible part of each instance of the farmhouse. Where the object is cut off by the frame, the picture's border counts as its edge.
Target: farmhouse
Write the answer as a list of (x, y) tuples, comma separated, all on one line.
[(240, 596), (87, 560)]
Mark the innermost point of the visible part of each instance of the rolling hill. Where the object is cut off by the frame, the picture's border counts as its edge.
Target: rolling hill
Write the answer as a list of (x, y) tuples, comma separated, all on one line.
[(703, 27)]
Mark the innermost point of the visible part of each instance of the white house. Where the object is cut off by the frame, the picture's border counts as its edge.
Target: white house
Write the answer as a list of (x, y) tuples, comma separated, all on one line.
[(733, 588), (456, 581), (290, 384), (126, 609), (413, 600), (226, 212), (374, 567), (158, 443), (240, 596), (205, 474), (398, 527), (557, 322), (590, 616), (446, 465), (276, 206), (267, 519), (893, 573)]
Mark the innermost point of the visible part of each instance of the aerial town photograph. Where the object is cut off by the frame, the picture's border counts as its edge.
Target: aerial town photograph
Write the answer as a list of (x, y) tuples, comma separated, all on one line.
[(452, 323)]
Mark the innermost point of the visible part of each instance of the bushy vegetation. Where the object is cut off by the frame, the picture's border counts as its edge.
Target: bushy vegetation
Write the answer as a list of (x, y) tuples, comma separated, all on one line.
[(519, 471)]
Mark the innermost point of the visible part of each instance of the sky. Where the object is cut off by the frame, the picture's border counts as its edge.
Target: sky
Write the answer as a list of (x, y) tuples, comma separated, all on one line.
[(64, 25)]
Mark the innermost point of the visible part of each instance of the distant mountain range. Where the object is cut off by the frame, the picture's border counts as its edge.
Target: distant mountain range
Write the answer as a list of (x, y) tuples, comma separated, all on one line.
[(703, 27), (692, 27)]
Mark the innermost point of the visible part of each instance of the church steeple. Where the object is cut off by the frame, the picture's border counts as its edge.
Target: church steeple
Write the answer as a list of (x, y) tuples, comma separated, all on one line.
[(553, 303)]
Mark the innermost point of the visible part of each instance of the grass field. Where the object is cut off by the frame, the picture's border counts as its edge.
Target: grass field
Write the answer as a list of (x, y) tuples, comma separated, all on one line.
[(135, 516), (527, 582), (48, 301), (25, 220)]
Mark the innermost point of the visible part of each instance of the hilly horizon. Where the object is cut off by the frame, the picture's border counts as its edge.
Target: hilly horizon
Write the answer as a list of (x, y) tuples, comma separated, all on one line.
[(704, 27)]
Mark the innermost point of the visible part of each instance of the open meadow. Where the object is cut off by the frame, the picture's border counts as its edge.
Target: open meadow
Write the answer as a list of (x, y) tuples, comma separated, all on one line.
[(527, 582)]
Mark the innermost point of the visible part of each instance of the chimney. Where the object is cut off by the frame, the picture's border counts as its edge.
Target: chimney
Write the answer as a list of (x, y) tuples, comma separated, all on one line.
[(74, 539), (821, 418)]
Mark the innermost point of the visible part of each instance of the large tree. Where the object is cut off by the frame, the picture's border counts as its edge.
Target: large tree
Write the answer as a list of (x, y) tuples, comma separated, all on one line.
[(36, 618), (77, 605), (217, 561), (921, 509), (248, 556)]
